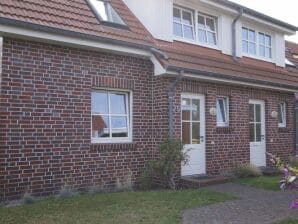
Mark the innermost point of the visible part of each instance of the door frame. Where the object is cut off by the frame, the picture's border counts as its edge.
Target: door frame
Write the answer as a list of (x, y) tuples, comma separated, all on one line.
[(263, 129), (202, 99)]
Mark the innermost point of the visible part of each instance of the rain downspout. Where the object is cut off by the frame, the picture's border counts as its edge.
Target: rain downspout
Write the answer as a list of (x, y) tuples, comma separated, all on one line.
[(234, 34), (171, 95)]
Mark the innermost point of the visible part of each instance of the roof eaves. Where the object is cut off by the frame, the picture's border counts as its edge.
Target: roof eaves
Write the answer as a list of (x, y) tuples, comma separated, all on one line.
[(228, 77), (48, 29), (254, 13)]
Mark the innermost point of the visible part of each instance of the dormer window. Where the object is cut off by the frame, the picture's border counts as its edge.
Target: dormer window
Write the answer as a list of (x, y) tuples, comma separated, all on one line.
[(105, 12), (256, 43), (206, 30), (183, 23)]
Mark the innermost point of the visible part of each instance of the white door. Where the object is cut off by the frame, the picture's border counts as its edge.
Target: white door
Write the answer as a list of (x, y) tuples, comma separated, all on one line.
[(257, 133), (193, 133)]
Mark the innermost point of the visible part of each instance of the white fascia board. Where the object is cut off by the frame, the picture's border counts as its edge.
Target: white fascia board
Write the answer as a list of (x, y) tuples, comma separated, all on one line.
[(235, 12), (12, 31), (158, 68), (230, 82)]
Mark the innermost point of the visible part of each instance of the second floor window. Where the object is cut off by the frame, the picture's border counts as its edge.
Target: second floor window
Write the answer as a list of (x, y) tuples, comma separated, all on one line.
[(183, 23), (206, 30), (256, 43)]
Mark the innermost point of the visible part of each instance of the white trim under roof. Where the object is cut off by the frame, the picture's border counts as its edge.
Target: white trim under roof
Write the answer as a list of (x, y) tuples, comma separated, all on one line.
[(231, 82)]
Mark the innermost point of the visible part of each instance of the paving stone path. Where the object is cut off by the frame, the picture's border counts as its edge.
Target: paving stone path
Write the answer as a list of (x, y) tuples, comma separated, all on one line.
[(253, 206)]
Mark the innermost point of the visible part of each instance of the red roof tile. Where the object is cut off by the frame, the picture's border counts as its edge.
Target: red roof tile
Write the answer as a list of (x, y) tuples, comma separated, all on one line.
[(75, 15), (189, 56)]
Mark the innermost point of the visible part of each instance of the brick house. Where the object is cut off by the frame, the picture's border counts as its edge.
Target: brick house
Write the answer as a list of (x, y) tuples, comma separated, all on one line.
[(89, 89)]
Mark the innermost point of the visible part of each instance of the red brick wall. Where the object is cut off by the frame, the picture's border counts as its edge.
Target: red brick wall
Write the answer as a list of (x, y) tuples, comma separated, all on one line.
[(226, 147), (45, 118)]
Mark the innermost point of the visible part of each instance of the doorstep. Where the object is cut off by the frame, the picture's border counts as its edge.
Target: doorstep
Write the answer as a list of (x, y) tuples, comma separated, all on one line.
[(198, 181)]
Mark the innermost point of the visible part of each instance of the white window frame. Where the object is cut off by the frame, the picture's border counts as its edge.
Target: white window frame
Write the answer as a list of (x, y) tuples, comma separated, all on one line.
[(181, 9), (226, 108), (284, 115), (129, 106), (257, 44), (206, 29), (264, 45)]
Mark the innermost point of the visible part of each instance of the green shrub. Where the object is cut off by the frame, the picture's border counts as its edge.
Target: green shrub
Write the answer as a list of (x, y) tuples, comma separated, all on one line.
[(293, 162), (165, 167), (246, 170)]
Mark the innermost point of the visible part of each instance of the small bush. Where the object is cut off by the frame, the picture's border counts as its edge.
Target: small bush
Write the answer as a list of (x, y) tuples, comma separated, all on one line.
[(247, 170), (28, 199)]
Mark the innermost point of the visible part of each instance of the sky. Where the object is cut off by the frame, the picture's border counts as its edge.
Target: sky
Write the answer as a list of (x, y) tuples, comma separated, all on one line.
[(285, 10)]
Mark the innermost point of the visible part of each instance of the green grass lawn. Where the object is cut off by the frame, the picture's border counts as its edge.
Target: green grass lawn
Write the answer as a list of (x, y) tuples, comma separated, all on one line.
[(289, 221), (265, 182), (126, 208)]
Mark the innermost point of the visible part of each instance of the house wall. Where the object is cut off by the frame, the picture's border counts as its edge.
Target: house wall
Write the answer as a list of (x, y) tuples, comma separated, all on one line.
[(161, 25), (45, 118)]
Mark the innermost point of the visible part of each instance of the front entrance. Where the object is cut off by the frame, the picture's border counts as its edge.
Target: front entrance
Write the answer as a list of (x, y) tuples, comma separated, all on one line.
[(257, 133), (193, 133)]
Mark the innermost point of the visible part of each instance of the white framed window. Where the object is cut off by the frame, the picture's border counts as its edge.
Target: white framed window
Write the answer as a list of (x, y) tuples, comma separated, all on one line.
[(207, 33), (265, 45), (183, 23), (105, 12), (282, 115), (111, 116), (222, 111), (249, 43), (256, 43)]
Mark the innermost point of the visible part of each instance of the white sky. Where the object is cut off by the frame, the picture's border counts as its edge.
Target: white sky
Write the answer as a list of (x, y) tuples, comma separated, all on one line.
[(285, 10)]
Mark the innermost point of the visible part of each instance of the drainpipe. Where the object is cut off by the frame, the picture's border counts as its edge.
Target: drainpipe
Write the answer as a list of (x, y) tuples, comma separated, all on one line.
[(171, 94), (296, 123), (234, 34)]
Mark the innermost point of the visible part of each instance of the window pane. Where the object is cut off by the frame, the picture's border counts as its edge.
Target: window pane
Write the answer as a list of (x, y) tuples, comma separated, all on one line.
[(258, 133), (245, 46), (211, 38), (186, 132), (195, 133), (252, 36), (251, 132), (106, 11), (251, 113), (201, 21), (244, 34), (99, 103), (280, 121), (258, 113), (186, 18), (261, 38), (202, 36), (268, 52), (262, 51), (195, 110), (210, 24), (252, 48), (185, 106), (178, 30), (188, 32), (100, 126), (118, 122), (177, 15), (118, 103), (221, 110), (268, 40)]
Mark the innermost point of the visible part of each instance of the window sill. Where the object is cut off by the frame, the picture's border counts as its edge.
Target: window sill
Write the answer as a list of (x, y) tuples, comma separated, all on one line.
[(95, 147), (188, 41)]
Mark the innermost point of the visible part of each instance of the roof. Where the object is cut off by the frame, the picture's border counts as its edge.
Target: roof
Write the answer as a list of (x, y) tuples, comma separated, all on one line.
[(73, 16), (256, 14), (211, 62), (292, 55)]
